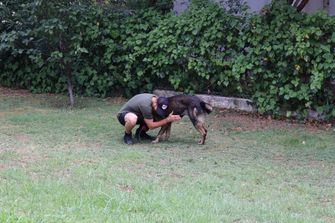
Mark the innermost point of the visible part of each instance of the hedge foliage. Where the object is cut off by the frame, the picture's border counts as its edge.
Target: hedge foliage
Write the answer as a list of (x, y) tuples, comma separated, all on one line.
[(290, 59), (282, 59)]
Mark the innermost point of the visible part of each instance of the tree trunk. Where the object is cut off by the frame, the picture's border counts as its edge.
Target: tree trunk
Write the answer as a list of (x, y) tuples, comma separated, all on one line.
[(65, 69), (69, 85)]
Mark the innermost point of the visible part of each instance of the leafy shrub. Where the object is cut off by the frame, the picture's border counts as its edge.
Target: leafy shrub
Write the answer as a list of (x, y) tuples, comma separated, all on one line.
[(289, 59), (280, 58), (163, 6), (134, 32), (52, 41), (191, 52)]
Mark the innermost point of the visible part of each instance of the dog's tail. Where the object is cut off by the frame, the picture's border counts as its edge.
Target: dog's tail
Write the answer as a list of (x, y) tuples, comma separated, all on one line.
[(206, 107)]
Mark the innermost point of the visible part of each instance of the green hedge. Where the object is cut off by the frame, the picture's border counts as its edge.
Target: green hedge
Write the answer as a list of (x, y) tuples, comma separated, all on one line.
[(282, 59), (290, 57)]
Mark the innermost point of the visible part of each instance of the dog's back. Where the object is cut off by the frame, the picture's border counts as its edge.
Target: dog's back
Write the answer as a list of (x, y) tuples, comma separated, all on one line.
[(190, 105), (186, 105)]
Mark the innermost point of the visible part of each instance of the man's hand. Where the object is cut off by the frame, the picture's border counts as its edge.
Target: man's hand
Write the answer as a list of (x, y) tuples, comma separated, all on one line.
[(173, 118)]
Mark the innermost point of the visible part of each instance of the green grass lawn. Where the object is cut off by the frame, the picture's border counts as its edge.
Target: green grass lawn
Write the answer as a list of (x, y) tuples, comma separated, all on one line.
[(62, 165)]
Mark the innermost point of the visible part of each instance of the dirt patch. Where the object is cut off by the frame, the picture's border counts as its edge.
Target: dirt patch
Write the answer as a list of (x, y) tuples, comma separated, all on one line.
[(313, 164), (23, 152), (22, 138), (126, 188), (8, 92), (243, 121)]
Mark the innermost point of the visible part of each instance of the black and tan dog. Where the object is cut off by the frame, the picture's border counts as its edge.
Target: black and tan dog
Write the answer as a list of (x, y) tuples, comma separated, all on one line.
[(183, 105)]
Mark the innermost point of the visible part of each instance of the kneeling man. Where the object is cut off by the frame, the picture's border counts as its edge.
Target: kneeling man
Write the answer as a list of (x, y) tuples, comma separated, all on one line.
[(139, 111)]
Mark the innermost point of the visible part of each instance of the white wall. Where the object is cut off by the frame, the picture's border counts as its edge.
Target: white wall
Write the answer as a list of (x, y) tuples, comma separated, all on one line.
[(331, 10), (313, 6), (257, 5), (180, 6)]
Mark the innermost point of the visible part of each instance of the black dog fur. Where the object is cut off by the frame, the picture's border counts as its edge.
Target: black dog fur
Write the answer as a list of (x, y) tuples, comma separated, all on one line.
[(185, 105)]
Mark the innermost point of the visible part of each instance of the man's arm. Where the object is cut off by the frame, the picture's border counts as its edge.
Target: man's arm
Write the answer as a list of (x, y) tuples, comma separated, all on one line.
[(152, 125)]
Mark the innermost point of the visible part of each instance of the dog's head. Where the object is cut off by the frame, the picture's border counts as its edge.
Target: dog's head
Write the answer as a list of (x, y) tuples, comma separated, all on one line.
[(162, 106)]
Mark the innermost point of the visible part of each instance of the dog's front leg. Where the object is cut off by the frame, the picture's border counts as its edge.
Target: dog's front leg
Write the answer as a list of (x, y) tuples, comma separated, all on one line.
[(168, 131), (160, 134)]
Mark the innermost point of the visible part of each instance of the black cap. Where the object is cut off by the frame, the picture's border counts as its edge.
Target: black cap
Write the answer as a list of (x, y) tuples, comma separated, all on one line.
[(162, 105)]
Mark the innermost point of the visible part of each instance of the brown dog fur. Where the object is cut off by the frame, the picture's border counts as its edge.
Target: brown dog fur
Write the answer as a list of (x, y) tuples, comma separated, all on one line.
[(185, 105)]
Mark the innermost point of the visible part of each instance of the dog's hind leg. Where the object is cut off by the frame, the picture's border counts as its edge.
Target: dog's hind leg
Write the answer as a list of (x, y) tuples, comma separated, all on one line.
[(198, 122), (203, 131)]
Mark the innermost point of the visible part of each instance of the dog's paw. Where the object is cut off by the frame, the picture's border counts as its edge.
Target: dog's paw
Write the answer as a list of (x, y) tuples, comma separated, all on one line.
[(201, 142), (155, 141)]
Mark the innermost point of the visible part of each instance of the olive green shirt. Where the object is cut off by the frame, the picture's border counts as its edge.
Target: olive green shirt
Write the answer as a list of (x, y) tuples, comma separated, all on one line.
[(140, 105)]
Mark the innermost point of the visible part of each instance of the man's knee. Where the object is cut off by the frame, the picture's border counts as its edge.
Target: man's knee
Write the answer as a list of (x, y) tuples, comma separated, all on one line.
[(130, 119)]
